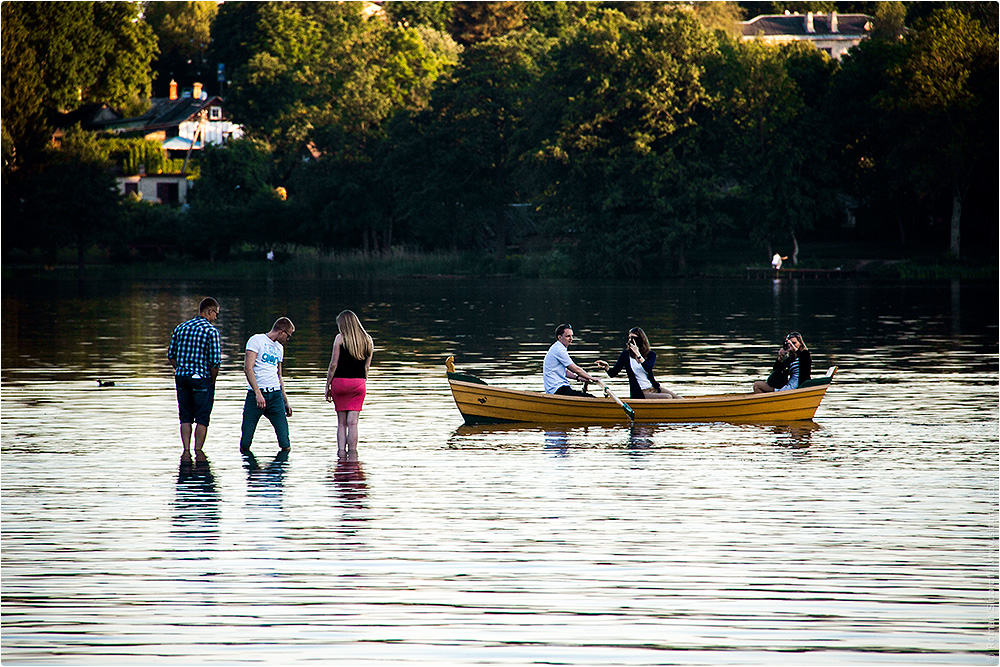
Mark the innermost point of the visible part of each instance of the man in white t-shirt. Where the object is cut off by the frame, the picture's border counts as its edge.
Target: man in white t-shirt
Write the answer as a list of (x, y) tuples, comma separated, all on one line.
[(266, 388), (558, 368)]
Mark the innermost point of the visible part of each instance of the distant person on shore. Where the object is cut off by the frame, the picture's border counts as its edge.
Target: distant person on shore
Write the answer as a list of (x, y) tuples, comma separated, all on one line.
[(776, 261), (195, 352), (266, 395), (558, 368), (792, 367), (346, 379), (638, 359)]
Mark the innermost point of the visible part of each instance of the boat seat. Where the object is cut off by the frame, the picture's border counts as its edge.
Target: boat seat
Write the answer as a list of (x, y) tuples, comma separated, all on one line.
[(816, 382), (463, 377)]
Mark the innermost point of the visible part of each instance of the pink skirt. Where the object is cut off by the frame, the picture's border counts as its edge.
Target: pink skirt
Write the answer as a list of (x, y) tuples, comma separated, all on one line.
[(348, 394)]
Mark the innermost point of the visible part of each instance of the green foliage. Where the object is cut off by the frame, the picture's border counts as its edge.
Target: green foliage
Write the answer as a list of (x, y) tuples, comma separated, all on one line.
[(722, 16), (554, 19), (474, 22), (182, 31), (472, 133), (622, 155), (624, 137), (919, 128), (60, 55), (72, 201), (300, 69), (428, 13), (766, 113)]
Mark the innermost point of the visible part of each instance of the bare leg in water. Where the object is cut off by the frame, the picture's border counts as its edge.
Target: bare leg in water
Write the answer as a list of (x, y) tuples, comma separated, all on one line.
[(347, 433)]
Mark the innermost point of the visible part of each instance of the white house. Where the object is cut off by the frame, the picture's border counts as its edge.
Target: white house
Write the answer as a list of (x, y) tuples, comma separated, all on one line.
[(832, 33)]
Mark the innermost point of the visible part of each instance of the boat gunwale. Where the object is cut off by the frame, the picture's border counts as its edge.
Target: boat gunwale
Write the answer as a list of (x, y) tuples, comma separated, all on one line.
[(709, 398)]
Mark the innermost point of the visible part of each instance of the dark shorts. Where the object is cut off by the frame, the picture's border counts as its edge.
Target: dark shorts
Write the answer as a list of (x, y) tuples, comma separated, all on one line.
[(566, 390), (195, 398)]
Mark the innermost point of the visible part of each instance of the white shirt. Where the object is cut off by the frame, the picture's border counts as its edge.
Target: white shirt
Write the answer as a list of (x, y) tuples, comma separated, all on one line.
[(269, 355), (554, 367), (640, 373), (776, 261)]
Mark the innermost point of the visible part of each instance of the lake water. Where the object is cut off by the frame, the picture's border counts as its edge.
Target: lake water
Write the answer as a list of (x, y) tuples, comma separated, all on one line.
[(868, 536)]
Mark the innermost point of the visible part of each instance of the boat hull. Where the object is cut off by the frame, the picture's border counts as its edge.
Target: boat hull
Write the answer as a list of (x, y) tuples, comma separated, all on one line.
[(486, 404)]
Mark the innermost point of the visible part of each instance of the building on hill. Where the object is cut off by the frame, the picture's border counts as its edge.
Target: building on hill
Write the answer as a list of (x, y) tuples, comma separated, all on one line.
[(192, 116), (831, 33), (183, 124)]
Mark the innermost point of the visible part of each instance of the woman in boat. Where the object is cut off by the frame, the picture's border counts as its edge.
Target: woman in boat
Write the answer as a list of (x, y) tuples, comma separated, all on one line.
[(346, 379), (792, 367), (638, 360)]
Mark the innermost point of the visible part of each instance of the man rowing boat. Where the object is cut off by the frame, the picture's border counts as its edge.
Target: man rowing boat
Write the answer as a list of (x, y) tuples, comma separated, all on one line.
[(558, 368)]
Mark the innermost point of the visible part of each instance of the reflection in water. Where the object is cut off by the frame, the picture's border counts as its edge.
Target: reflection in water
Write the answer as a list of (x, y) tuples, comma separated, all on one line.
[(557, 441), (196, 504), (710, 544), (265, 483), (640, 437), (349, 482), (796, 434)]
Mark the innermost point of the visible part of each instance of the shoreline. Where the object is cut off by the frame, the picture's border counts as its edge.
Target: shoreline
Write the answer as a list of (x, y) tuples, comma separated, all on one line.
[(308, 264)]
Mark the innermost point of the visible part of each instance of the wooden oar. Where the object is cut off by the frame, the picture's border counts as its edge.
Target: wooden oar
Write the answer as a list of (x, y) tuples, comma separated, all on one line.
[(624, 406)]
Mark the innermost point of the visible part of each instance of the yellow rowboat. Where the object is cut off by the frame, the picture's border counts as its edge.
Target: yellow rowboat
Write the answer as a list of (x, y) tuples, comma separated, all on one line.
[(481, 403)]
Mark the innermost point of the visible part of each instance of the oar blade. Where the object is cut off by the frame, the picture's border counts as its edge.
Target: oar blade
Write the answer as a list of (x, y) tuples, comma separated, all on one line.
[(629, 411)]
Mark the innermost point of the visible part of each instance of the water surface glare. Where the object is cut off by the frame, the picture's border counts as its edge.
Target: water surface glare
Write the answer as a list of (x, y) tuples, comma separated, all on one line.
[(868, 536)]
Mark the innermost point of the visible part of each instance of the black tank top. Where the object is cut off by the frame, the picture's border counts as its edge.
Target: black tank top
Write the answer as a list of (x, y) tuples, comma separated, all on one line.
[(348, 366)]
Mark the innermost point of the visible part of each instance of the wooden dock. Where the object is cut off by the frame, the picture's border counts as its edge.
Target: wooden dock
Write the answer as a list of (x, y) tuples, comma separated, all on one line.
[(770, 272)]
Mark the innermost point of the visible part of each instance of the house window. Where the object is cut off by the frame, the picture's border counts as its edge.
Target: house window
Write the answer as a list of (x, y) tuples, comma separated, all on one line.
[(215, 113), (168, 193), (131, 188)]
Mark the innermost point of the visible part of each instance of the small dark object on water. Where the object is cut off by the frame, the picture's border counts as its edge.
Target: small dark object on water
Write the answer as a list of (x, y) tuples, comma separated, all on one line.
[(105, 383)]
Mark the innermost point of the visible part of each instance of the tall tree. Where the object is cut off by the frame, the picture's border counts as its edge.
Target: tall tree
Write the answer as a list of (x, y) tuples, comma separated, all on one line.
[(479, 21), (917, 119), (473, 136), (300, 69), (183, 31), (773, 149), (618, 125), (61, 55), (429, 13), (947, 88), (73, 201)]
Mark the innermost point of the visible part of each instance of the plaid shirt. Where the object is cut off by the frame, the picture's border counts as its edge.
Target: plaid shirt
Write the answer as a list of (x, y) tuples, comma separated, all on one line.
[(195, 348)]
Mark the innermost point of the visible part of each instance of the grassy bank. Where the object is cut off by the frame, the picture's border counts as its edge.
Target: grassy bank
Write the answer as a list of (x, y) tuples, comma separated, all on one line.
[(310, 264), (302, 263)]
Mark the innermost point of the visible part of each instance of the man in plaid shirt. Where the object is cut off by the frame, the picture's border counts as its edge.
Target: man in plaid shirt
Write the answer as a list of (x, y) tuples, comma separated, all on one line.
[(196, 352)]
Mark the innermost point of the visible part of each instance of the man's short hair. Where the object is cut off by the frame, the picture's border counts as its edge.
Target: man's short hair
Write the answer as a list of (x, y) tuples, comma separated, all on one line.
[(283, 324), (208, 303), (561, 328)]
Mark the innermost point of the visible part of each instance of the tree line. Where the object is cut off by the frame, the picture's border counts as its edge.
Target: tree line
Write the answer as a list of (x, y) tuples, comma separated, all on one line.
[(619, 135)]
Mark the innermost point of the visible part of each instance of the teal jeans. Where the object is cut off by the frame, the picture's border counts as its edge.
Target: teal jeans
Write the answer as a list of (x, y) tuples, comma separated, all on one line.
[(274, 410)]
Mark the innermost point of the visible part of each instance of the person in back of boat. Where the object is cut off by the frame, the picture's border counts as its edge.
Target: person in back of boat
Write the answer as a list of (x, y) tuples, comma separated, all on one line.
[(792, 367), (558, 368), (638, 359), (346, 379)]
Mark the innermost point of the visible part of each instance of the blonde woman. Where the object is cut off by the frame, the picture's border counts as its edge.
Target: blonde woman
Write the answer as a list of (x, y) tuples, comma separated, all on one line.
[(346, 378)]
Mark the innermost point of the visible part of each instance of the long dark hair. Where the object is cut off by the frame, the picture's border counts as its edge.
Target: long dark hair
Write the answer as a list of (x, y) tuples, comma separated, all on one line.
[(797, 336), (643, 340)]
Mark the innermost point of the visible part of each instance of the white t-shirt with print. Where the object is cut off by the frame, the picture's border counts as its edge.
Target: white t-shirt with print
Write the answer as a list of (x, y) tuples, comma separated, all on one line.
[(269, 355)]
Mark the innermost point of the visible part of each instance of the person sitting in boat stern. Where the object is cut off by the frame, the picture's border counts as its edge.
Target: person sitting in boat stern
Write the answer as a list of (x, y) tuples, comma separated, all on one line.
[(558, 368), (638, 360), (792, 367)]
